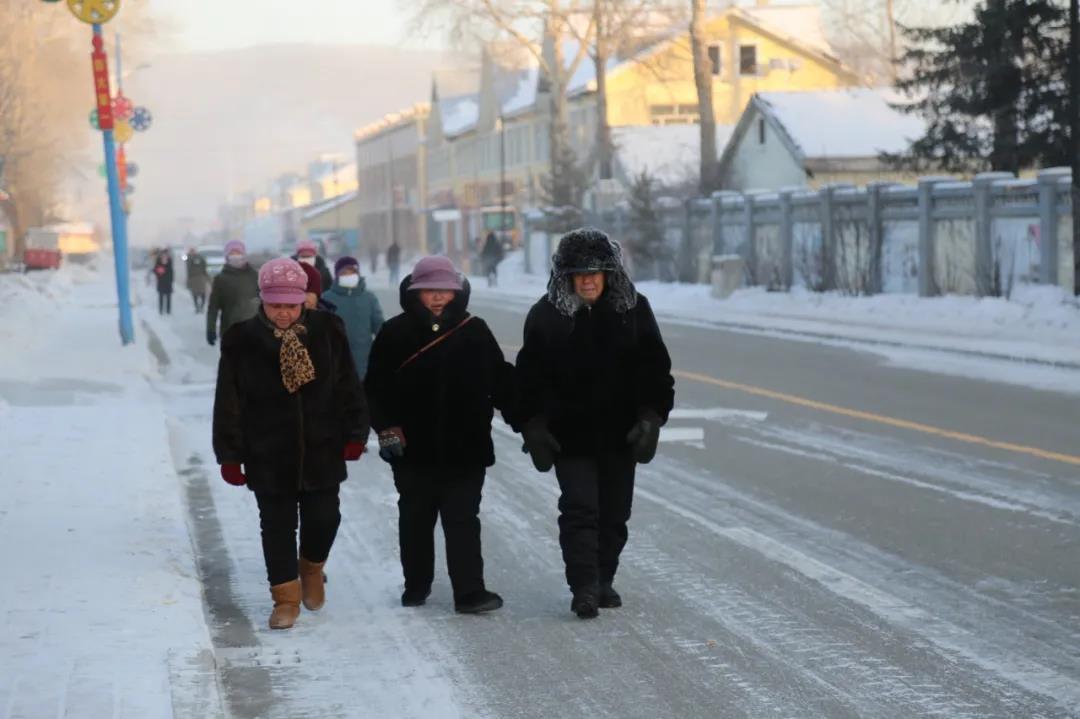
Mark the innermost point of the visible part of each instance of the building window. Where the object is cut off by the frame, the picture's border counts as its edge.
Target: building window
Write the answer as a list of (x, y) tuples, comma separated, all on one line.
[(761, 131), (673, 114), (748, 60), (715, 60)]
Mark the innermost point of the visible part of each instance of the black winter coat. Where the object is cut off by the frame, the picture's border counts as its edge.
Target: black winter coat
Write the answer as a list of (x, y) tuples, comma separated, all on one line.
[(165, 275), (444, 400), (593, 374), (287, 442)]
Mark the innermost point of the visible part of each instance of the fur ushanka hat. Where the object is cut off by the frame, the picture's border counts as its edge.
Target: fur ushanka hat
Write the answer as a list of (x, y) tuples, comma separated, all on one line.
[(589, 250)]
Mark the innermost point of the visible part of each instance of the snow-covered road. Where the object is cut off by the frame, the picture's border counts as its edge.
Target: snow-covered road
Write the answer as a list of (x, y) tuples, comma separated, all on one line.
[(784, 561)]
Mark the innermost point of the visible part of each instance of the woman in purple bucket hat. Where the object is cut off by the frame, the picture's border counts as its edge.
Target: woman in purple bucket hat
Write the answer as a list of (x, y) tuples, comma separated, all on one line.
[(288, 413), (435, 377)]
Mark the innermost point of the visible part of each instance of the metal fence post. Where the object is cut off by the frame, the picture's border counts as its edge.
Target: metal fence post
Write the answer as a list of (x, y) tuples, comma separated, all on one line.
[(984, 250), (876, 230), (828, 240), (1049, 180), (927, 285), (751, 244), (717, 226), (787, 240)]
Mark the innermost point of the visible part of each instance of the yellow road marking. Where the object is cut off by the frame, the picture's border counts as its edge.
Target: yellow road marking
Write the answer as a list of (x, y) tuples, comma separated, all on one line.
[(871, 417), (881, 419)]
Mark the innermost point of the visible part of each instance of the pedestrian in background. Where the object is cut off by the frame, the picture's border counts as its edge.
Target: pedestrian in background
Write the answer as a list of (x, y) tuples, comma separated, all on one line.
[(313, 296), (373, 255), (490, 257), (307, 252), (163, 272), (234, 293), (435, 377), (357, 307), (595, 386), (393, 261), (198, 279), (289, 411)]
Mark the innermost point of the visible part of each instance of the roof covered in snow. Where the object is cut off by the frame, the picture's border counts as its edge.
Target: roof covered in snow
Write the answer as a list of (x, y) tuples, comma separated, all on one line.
[(855, 122), (669, 153), (456, 95)]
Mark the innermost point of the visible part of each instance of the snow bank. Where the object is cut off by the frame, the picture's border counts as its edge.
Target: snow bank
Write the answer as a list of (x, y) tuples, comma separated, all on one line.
[(1038, 324), (101, 588)]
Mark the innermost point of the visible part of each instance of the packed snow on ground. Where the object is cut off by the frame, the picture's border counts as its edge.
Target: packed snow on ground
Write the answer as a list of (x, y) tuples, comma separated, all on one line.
[(101, 603)]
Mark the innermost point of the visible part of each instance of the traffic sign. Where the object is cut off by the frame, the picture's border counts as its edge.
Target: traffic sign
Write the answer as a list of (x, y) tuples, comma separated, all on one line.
[(123, 131), (141, 119), (94, 11)]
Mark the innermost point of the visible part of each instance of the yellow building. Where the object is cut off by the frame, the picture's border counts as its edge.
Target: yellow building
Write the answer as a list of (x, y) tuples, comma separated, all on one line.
[(751, 50)]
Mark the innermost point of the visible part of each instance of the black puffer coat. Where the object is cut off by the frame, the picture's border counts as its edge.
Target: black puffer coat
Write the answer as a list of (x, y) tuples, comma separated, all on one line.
[(591, 372), (287, 442), (444, 401)]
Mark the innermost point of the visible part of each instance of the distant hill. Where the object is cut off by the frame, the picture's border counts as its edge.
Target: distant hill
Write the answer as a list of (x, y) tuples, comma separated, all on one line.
[(235, 119)]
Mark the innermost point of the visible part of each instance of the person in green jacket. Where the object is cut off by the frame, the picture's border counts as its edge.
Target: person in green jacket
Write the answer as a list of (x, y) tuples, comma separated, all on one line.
[(233, 294), (357, 307)]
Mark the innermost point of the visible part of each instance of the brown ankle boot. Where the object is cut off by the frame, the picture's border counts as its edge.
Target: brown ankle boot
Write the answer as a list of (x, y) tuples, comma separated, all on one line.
[(314, 584), (286, 604)]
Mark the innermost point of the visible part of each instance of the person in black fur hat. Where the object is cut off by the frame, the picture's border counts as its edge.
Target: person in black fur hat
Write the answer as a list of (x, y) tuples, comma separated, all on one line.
[(595, 386)]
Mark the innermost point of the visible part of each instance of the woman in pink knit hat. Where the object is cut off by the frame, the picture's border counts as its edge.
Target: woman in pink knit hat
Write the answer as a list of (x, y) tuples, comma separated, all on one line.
[(288, 413)]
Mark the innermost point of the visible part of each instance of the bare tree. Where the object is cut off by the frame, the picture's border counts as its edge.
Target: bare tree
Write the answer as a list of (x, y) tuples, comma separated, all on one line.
[(864, 33), (703, 82)]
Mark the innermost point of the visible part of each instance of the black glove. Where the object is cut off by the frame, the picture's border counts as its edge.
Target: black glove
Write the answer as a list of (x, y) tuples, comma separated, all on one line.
[(540, 444), (644, 436), (391, 444), (211, 337)]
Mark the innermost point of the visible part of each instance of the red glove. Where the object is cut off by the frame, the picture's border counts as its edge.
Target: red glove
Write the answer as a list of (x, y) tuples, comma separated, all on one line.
[(353, 450), (232, 474)]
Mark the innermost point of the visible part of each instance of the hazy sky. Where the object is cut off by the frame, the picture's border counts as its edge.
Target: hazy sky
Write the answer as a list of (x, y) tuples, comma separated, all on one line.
[(221, 24)]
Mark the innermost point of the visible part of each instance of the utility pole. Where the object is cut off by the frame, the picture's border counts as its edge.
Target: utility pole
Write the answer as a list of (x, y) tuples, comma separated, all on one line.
[(890, 18), (502, 177), (1074, 133)]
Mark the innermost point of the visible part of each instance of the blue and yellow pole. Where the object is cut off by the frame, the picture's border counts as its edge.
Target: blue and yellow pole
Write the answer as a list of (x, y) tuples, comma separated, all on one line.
[(117, 218)]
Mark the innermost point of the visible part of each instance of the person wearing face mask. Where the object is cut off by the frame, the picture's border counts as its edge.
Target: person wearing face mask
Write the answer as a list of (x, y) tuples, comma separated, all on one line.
[(307, 252), (289, 412), (234, 294), (594, 388), (435, 377), (357, 307)]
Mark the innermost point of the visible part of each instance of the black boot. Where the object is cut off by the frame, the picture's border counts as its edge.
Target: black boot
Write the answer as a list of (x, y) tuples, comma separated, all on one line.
[(477, 602), (586, 603), (609, 598), (415, 597)]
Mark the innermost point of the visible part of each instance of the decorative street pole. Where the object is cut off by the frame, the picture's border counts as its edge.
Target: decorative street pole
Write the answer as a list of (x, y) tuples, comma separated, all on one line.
[(95, 13)]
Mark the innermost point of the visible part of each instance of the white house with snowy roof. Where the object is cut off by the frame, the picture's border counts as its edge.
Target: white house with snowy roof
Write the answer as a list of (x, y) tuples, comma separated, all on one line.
[(814, 138)]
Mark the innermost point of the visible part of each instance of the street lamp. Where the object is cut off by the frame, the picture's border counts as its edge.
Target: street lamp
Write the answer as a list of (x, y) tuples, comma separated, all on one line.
[(502, 175)]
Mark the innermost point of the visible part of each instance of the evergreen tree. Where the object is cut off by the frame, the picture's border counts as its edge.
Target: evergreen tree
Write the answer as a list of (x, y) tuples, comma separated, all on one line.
[(649, 254), (564, 191), (992, 90)]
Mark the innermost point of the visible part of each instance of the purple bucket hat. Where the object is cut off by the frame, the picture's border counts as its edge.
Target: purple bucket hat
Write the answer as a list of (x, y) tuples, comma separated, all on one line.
[(436, 273), (282, 281)]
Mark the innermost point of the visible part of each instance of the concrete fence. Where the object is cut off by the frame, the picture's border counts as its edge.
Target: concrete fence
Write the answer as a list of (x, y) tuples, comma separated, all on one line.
[(940, 236)]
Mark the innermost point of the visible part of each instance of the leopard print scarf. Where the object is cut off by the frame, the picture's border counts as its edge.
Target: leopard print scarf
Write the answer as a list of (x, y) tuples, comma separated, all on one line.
[(296, 367)]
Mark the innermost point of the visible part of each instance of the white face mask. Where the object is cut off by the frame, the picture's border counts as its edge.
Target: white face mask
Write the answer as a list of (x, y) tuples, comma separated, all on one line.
[(349, 281), (237, 261), (308, 261)]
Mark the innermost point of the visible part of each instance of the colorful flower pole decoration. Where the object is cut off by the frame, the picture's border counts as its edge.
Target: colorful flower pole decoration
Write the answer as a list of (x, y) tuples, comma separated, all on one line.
[(141, 119)]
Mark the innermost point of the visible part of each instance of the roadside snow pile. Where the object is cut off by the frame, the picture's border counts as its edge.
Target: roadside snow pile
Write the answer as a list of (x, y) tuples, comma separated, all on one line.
[(1038, 323), (101, 588)]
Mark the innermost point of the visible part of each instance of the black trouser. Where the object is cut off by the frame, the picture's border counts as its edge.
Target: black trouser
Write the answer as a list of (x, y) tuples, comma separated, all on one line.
[(319, 517), (164, 303), (597, 493), (452, 495)]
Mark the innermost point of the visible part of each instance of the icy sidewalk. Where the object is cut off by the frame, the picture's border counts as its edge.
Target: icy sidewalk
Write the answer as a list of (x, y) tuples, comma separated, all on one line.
[(101, 604), (1039, 325)]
